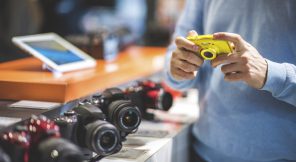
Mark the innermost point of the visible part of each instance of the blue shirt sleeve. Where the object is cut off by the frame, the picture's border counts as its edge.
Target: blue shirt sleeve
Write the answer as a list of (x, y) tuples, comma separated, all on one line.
[(281, 81), (190, 19)]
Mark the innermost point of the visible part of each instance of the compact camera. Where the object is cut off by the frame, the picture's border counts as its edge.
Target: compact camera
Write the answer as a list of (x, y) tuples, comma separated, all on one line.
[(209, 47), (149, 94), (86, 126), (39, 140), (119, 109)]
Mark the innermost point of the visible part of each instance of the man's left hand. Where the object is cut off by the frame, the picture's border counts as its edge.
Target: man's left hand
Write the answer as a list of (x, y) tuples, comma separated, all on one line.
[(244, 64)]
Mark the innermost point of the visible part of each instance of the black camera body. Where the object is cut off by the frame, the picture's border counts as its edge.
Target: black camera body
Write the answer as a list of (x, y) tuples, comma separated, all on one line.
[(87, 127), (119, 110), (150, 95)]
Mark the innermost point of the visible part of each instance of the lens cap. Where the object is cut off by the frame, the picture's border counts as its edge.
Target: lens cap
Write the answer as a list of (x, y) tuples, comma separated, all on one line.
[(166, 101), (102, 138)]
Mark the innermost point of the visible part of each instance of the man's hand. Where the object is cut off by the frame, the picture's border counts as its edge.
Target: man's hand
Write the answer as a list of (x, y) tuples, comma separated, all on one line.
[(185, 60), (244, 64)]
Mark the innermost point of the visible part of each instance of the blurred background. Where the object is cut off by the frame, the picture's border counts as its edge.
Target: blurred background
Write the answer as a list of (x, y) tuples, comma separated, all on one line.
[(92, 25)]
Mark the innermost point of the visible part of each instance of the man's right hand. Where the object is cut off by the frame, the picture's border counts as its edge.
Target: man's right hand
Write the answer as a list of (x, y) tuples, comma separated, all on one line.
[(185, 59)]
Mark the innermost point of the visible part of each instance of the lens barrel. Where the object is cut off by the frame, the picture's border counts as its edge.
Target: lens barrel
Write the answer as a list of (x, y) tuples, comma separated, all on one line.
[(102, 137), (208, 54), (124, 115)]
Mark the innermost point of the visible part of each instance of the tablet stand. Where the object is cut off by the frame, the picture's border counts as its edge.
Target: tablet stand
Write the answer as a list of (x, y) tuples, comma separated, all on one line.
[(56, 74)]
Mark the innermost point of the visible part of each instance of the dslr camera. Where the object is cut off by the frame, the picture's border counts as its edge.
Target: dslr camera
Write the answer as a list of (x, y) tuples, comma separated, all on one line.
[(38, 140), (101, 124), (86, 126), (209, 47), (150, 95), (119, 110)]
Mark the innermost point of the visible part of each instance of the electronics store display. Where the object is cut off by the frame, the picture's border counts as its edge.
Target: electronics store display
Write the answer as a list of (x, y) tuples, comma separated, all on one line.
[(55, 52), (98, 126), (210, 47)]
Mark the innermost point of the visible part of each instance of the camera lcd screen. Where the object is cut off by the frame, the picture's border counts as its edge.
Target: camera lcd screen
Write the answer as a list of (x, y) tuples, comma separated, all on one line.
[(54, 51)]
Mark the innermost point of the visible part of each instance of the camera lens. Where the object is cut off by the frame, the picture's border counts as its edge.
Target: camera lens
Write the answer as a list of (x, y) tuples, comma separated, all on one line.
[(107, 139), (57, 150), (124, 115), (102, 138), (165, 101), (130, 118), (208, 54)]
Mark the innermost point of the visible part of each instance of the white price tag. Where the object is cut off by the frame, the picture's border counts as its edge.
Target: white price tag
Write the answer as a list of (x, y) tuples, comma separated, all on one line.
[(6, 121), (26, 104)]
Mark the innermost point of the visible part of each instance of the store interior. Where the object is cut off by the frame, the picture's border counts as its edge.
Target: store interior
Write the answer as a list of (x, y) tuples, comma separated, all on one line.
[(147, 81), (48, 115)]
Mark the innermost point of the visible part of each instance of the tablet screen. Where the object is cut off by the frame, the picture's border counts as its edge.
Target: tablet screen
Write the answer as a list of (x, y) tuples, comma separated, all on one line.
[(54, 51)]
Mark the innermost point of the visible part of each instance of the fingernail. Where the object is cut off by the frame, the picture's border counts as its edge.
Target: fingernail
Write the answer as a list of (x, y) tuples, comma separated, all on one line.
[(195, 48)]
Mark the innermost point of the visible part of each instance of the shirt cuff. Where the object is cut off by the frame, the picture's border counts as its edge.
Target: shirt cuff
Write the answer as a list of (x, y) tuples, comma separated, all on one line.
[(276, 77)]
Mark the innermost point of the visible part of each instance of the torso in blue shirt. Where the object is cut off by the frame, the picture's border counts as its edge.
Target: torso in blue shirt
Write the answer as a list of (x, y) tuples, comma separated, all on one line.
[(237, 122)]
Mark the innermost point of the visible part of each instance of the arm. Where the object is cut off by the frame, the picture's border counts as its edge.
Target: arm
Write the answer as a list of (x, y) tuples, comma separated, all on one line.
[(191, 18), (281, 81)]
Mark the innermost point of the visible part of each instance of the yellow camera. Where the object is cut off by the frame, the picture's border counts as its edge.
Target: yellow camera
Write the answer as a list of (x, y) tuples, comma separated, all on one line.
[(209, 48)]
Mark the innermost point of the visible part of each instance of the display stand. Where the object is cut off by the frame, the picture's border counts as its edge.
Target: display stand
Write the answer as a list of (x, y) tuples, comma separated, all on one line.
[(25, 79)]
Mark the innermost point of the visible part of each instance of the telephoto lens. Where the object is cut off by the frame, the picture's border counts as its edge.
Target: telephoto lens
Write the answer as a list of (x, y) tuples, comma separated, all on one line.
[(46, 144), (3, 156), (150, 95), (119, 109), (86, 126)]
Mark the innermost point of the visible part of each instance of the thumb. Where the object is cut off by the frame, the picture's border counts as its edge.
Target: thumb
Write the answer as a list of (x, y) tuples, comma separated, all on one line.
[(192, 33)]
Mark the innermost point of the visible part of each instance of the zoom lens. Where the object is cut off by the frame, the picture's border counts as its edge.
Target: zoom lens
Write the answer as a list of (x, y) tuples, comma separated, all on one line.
[(165, 101), (124, 115), (102, 138), (107, 139), (209, 54), (130, 118)]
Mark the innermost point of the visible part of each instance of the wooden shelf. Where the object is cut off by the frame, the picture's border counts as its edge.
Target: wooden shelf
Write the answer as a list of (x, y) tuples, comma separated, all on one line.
[(25, 79)]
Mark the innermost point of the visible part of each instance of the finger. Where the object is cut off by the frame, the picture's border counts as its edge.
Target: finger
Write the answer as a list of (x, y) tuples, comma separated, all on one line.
[(185, 66), (232, 37), (192, 33), (225, 59), (183, 43), (182, 75), (190, 57), (229, 68), (231, 77)]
